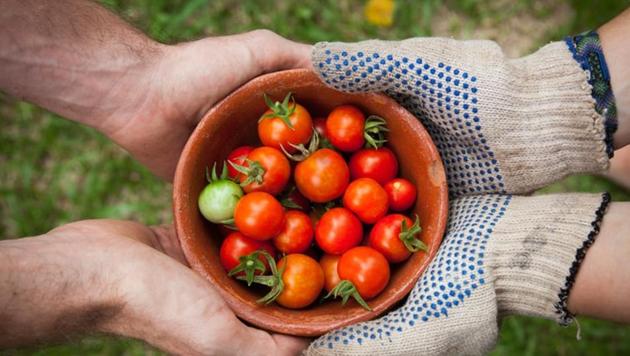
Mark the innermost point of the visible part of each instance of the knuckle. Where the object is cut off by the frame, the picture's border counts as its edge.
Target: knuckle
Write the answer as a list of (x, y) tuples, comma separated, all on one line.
[(264, 34)]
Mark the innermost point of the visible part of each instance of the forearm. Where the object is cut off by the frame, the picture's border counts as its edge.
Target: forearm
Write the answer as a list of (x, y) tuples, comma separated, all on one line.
[(75, 58), (46, 294), (602, 286), (616, 47)]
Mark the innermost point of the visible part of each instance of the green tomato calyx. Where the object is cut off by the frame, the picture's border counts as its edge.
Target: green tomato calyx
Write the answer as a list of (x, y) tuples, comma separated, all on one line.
[(345, 289), (249, 264), (274, 280), (304, 152), (408, 236), (213, 177), (374, 131), (282, 110), (253, 171)]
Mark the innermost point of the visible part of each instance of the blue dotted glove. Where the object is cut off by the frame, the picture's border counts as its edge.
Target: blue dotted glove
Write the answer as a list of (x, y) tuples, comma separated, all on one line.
[(501, 125)]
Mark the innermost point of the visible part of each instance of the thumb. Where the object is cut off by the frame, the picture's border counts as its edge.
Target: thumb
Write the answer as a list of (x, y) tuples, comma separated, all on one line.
[(271, 52), (225, 63)]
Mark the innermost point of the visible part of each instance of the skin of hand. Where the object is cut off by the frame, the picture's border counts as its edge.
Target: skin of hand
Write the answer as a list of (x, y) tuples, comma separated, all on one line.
[(616, 47), (79, 60), (619, 170), (600, 278), (88, 65), (116, 277), (190, 79), (602, 285)]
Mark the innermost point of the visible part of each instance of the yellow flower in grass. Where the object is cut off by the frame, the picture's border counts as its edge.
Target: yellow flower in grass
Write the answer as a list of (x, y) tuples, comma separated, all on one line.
[(379, 12)]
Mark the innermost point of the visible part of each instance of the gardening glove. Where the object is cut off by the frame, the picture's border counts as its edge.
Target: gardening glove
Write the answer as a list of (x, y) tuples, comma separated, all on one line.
[(501, 255), (501, 125)]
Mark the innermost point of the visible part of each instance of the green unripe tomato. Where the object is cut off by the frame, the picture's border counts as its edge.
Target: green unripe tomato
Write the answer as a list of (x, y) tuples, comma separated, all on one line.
[(218, 200)]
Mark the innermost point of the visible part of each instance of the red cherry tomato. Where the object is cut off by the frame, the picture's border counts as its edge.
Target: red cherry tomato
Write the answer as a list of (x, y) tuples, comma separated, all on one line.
[(319, 124), (270, 171), (303, 281), (338, 230), (379, 164), (387, 237), (236, 245), (238, 157), (366, 198), (345, 127), (274, 132), (401, 194), (366, 268), (323, 176), (329, 265), (297, 234), (259, 216)]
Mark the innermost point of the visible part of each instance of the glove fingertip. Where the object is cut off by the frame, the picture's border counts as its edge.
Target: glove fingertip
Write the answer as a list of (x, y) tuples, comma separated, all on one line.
[(344, 67), (322, 60)]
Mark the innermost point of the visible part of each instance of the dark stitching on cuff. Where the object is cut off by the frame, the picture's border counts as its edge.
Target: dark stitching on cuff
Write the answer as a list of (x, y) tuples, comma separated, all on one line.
[(565, 316)]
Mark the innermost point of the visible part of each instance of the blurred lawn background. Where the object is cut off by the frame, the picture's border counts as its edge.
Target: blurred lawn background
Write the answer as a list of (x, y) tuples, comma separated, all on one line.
[(53, 171)]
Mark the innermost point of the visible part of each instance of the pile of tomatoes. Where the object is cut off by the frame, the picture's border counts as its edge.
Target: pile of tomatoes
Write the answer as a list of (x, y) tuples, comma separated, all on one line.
[(313, 214)]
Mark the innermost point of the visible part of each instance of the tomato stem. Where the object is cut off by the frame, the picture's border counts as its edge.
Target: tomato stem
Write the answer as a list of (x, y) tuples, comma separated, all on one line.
[(313, 146), (374, 131), (254, 172), (345, 289), (408, 236), (249, 264), (282, 110), (274, 280)]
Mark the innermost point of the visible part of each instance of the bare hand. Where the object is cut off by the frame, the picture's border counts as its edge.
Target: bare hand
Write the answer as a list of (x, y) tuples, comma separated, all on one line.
[(188, 80), (117, 277)]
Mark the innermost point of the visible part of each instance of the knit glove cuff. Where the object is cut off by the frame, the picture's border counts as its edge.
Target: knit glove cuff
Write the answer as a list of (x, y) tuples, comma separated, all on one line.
[(542, 242), (556, 130), (502, 125)]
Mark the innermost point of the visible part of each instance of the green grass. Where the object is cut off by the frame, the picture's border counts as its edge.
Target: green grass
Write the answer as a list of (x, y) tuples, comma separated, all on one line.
[(53, 171)]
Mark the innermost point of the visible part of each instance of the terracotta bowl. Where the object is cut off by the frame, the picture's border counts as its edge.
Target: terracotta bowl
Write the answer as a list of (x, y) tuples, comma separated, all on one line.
[(232, 123)]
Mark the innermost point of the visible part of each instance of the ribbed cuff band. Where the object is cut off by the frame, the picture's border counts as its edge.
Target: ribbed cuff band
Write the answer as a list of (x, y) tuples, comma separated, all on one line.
[(554, 130), (540, 245)]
